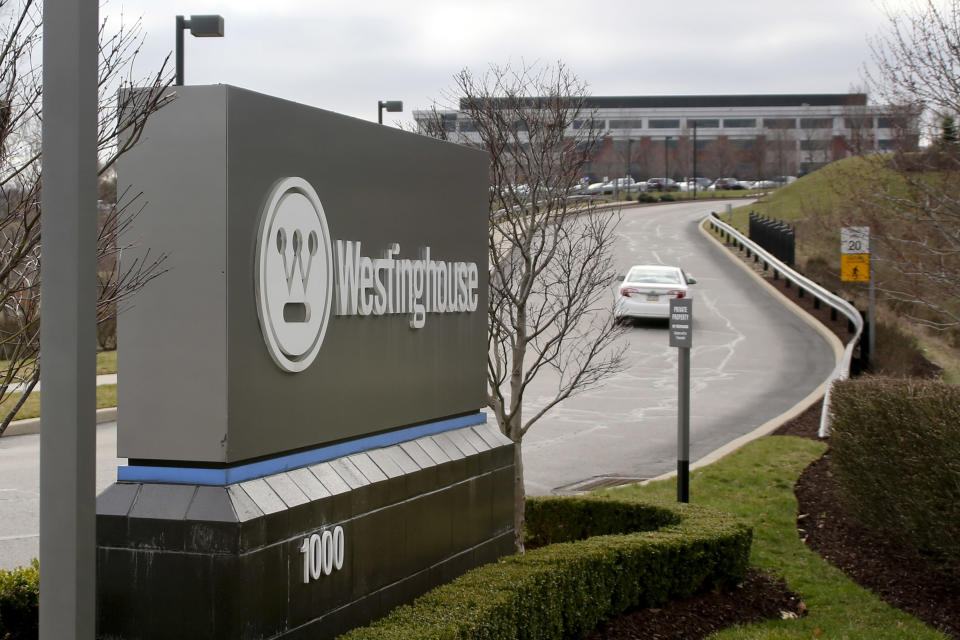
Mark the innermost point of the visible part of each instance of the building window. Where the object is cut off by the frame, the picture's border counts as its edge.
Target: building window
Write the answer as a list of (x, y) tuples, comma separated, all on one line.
[(468, 125), (744, 145), (626, 124), (780, 123), (703, 123), (814, 145), (887, 122), (816, 123), (886, 145), (858, 123), (703, 144), (664, 124), (588, 124), (740, 123)]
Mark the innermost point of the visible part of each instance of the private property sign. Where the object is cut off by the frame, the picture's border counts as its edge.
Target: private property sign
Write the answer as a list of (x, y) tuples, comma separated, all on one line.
[(681, 322)]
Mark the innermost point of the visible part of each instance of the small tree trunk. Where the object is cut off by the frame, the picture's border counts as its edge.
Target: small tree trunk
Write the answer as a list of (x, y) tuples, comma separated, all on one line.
[(519, 497)]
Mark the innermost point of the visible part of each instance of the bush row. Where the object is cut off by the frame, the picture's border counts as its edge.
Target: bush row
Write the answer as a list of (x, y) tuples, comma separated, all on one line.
[(643, 196), (896, 450), (562, 590), (19, 602)]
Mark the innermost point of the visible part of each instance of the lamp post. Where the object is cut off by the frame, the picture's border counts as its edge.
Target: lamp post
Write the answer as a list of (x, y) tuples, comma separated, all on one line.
[(207, 26), (392, 106), (695, 184), (666, 160)]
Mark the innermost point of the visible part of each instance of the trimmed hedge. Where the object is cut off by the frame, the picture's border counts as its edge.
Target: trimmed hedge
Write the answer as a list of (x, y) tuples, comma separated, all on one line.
[(896, 453), (564, 589), (19, 602)]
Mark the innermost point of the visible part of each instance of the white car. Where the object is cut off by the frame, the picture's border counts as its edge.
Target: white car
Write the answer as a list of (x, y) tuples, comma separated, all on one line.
[(647, 289)]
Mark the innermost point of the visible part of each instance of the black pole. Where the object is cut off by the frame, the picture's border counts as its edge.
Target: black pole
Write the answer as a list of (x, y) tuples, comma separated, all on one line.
[(179, 55), (683, 427), (694, 159), (380, 112), (666, 162)]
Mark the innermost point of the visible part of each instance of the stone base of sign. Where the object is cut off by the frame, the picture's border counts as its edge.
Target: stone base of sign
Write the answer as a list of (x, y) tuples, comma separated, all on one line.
[(193, 561)]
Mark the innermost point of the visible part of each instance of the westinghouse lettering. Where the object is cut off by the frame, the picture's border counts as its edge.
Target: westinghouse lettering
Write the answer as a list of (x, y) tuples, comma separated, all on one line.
[(388, 285)]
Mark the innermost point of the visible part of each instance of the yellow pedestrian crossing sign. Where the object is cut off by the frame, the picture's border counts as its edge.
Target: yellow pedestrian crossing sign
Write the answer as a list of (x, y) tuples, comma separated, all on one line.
[(855, 267)]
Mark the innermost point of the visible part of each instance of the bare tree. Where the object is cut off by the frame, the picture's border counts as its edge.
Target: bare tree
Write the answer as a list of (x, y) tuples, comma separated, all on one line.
[(720, 157), (916, 220), (20, 198), (549, 258), (915, 58), (681, 158)]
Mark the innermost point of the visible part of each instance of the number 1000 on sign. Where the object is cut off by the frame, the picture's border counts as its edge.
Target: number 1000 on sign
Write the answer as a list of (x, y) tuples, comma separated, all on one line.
[(322, 554)]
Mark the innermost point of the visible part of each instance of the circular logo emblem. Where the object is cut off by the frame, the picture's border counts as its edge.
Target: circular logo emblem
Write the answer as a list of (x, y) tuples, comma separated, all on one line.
[(294, 274)]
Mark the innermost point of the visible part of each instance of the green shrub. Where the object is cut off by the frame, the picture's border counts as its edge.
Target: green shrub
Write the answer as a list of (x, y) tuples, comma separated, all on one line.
[(563, 590), (20, 602), (667, 197), (643, 196), (896, 451)]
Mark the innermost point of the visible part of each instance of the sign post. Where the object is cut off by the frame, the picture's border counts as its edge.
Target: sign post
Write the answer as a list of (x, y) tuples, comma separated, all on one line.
[(681, 336), (855, 267), (68, 436)]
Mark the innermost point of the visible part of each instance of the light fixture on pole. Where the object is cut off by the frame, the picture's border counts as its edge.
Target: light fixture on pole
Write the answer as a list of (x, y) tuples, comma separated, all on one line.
[(207, 26), (393, 106)]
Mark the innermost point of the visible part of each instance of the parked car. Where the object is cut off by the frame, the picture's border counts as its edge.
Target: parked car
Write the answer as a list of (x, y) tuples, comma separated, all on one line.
[(646, 291), (625, 185), (701, 184), (596, 188), (762, 184), (726, 183), (782, 180), (662, 184)]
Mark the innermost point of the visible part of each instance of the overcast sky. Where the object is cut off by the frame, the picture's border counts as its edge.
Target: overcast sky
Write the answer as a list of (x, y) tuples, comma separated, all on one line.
[(344, 56)]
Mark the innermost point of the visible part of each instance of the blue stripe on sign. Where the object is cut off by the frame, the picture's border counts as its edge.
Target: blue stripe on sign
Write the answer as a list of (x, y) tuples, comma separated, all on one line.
[(244, 472)]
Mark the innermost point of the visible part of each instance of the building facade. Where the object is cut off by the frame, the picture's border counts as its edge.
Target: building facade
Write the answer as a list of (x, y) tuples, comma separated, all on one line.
[(742, 136)]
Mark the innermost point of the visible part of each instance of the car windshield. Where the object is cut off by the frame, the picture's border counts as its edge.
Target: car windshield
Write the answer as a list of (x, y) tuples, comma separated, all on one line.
[(653, 276)]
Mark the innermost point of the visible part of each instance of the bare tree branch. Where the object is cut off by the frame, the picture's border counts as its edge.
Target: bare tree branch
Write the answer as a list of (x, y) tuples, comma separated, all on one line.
[(549, 256), (21, 89)]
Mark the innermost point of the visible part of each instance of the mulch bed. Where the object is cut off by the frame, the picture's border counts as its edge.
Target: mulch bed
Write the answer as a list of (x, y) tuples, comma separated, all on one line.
[(760, 597), (896, 573)]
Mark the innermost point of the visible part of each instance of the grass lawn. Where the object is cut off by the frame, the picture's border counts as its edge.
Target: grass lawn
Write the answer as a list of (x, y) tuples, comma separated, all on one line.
[(756, 484), (106, 397), (106, 362)]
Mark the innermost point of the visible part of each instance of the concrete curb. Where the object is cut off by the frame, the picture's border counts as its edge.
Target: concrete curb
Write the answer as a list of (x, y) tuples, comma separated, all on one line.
[(775, 423), (32, 425)]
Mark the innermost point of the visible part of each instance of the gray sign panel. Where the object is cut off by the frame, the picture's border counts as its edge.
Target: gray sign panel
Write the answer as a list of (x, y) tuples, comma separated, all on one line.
[(681, 322), (327, 280)]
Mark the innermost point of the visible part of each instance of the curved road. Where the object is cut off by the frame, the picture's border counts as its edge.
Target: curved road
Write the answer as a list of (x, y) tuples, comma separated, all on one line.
[(752, 359)]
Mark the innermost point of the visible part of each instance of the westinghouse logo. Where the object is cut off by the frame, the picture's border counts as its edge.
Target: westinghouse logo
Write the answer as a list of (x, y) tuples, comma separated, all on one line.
[(301, 275), (294, 274)]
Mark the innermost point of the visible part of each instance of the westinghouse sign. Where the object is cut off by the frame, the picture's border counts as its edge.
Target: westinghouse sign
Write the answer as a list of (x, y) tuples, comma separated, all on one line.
[(302, 274), (322, 286)]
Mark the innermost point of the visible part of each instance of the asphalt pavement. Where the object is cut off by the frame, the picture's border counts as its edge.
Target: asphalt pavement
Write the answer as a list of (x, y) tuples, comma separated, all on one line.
[(753, 358)]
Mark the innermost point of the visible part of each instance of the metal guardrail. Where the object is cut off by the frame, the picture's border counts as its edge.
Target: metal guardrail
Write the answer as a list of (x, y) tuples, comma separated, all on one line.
[(842, 370)]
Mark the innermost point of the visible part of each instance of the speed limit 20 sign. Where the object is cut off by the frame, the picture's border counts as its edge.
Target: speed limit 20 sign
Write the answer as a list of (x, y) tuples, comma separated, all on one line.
[(855, 254)]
